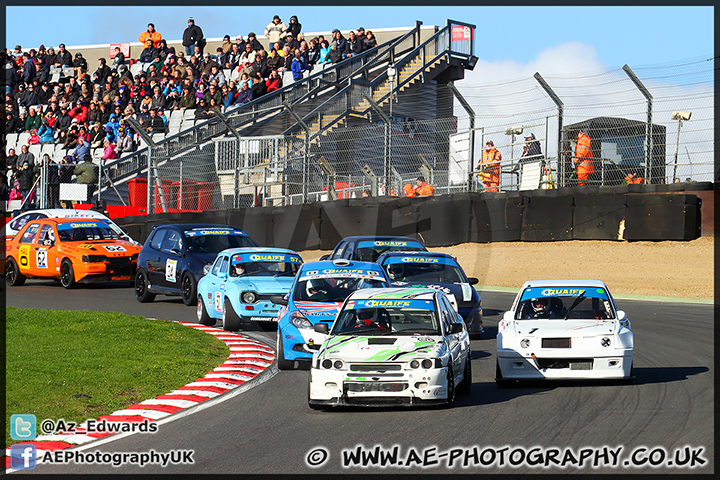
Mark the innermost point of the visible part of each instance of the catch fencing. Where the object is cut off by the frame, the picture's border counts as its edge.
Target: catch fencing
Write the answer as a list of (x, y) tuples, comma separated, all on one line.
[(656, 122)]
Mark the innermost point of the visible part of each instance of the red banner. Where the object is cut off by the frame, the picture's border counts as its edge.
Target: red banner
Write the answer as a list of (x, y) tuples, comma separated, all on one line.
[(460, 33), (124, 48)]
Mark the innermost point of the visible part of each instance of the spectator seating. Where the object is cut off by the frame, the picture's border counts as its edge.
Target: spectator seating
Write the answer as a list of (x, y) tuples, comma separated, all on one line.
[(22, 140)]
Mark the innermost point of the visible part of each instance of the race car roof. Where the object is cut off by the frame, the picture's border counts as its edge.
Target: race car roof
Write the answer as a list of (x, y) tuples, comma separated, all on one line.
[(564, 283), (247, 250)]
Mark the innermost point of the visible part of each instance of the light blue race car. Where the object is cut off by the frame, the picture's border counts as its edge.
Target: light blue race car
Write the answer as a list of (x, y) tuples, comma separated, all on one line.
[(316, 295), (238, 287)]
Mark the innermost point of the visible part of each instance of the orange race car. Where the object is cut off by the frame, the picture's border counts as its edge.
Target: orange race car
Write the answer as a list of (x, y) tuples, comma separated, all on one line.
[(75, 250)]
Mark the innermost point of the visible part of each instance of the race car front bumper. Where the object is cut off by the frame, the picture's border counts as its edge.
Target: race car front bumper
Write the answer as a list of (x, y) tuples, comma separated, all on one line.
[(405, 387), (554, 366)]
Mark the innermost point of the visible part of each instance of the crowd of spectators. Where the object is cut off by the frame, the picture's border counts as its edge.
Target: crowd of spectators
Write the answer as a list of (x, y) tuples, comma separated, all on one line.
[(87, 109)]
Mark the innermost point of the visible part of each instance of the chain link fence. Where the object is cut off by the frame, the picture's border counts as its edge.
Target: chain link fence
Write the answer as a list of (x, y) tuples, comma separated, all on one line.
[(656, 122)]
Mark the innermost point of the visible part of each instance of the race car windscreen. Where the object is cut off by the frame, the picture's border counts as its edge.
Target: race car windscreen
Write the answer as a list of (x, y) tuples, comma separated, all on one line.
[(333, 289), (85, 231), (264, 265), (370, 250), (424, 272), (215, 241), (378, 317), (573, 303)]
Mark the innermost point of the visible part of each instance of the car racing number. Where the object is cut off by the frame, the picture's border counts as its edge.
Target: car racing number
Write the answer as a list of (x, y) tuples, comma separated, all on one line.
[(115, 248), (41, 258), (171, 270)]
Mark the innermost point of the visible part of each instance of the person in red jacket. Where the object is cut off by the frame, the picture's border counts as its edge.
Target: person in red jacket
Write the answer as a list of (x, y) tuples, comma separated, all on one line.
[(79, 112), (583, 158)]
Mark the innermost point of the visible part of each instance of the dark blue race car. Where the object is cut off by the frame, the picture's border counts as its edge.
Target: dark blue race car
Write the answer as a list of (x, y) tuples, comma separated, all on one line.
[(436, 270), (173, 258), (367, 248)]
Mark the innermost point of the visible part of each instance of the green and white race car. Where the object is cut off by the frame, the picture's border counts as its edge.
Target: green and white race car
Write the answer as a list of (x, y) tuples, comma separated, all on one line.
[(392, 346)]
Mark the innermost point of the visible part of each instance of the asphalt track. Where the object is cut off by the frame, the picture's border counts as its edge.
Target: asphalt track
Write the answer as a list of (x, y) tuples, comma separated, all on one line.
[(270, 429)]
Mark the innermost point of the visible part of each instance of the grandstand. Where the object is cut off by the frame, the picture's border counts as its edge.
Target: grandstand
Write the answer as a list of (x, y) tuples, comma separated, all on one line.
[(285, 146)]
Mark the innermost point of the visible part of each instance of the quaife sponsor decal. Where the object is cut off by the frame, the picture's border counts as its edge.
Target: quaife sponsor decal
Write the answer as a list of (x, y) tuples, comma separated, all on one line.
[(535, 292), (212, 231), (390, 303), (419, 260), (273, 257)]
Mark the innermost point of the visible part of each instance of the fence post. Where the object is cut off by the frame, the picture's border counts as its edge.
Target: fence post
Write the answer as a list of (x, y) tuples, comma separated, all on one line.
[(306, 160), (648, 126), (561, 112)]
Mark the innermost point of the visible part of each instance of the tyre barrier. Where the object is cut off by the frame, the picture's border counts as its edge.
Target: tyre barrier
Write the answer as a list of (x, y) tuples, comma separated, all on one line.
[(248, 358), (613, 213)]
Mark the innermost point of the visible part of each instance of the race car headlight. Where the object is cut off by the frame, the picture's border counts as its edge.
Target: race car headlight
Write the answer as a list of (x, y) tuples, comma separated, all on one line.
[(338, 364), (525, 342), (134, 257), (248, 297), (605, 342), (415, 364), (327, 363), (427, 363), (300, 321), (93, 258)]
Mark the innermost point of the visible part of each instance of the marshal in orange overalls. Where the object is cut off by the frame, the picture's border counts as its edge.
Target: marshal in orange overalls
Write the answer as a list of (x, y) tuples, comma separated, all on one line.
[(583, 158)]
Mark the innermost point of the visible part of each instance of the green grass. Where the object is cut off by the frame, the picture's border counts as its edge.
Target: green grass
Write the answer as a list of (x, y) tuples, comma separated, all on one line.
[(77, 365)]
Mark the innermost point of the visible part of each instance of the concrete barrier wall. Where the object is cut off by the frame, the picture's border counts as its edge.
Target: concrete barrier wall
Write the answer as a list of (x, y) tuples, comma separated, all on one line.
[(616, 213)]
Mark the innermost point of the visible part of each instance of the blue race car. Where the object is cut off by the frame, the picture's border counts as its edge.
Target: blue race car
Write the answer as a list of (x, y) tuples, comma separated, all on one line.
[(316, 295), (238, 287), (436, 270), (367, 248), (173, 258)]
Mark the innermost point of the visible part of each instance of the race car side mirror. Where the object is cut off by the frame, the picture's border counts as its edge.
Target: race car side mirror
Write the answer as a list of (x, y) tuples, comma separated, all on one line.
[(621, 315), (508, 316), (473, 281), (324, 257), (207, 268), (278, 299), (456, 328), (321, 328)]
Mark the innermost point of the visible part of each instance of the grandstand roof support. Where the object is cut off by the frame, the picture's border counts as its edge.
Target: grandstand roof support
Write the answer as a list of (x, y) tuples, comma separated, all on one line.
[(471, 113), (306, 160)]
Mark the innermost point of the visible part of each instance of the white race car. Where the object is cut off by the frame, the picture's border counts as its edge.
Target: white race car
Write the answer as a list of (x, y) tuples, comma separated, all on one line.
[(564, 330), (392, 346)]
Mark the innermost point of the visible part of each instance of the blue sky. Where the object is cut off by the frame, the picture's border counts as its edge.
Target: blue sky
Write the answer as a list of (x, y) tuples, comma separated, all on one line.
[(640, 35)]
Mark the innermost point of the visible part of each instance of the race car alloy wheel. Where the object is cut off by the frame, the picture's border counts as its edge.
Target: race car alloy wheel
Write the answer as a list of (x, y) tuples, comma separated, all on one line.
[(466, 383), (67, 275), (141, 288), (13, 276), (230, 320), (189, 288), (202, 315), (281, 362)]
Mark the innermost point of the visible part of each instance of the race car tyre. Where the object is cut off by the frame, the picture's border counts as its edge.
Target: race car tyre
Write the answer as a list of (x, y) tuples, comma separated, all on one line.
[(188, 286), (281, 362), (465, 385), (142, 294), (202, 315), (230, 320), (13, 277), (451, 385), (631, 378), (67, 275)]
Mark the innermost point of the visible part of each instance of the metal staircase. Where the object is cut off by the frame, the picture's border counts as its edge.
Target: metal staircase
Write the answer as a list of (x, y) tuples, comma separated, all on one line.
[(324, 101)]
